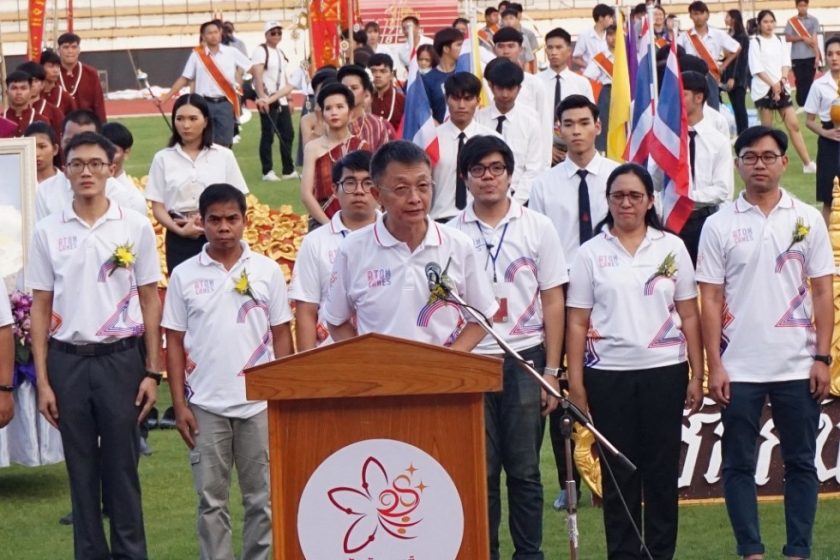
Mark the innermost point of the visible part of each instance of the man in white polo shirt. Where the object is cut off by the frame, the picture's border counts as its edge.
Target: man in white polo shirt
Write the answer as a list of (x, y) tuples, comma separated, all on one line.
[(765, 269), (380, 271), (93, 270), (226, 311), (523, 260), (311, 275)]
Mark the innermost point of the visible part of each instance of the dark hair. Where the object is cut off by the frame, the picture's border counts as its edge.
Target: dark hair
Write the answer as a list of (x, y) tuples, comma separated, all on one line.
[(445, 37), (199, 103), (49, 56), (90, 139), (510, 12), (219, 193), (559, 33), (68, 38), (381, 59), (602, 10), (81, 117), (698, 6), (372, 25), (504, 3), (412, 19), (359, 72), (507, 35), (323, 75), (490, 10), (360, 37), (575, 101), (207, 24), (399, 151), (34, 69), (335, 88), (737, 22), (502, 72), (462, 84), (764, 13), (611, 29), (358, 160), (119, 134), (480, 146), (431, 50), (797, 2), (695, 82), (639, 10), (755, 133), (461, 20), (651, 217), (18, 76), (835, 40), (40, 127), (517, 6)]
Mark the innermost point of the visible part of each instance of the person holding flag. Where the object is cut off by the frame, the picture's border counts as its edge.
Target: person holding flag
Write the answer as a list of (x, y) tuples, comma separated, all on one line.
[(708, 43), (447, 45), (418, 124), (619, 113), (600, 69)]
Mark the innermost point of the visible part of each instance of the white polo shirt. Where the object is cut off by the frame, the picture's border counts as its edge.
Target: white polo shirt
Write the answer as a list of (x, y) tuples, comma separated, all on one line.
[(227, 59), (377, 279), (524, 259), (822, 94), (715, 40), (225, 332), (521, 132), (311, 274), (765, 280), (634, 323), (55, 194), (589, 43), (446, 169), (274, 74), (93, 301), (177, 181), (555, 194)]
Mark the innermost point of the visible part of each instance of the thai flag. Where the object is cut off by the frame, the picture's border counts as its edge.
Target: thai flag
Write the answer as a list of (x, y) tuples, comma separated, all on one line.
[(417, 124), (641, 124), (669, 146)]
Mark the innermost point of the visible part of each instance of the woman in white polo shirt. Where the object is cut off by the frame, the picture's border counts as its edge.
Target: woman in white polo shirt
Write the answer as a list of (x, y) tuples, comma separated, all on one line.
[(633, 322), (181, 172)]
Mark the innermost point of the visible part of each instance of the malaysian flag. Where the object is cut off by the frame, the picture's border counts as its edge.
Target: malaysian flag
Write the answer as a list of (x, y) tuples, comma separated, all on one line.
[(669, 146), (641, 123), (417, 124)]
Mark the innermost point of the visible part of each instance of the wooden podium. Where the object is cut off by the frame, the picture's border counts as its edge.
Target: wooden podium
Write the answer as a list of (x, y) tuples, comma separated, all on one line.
[(376, 387)]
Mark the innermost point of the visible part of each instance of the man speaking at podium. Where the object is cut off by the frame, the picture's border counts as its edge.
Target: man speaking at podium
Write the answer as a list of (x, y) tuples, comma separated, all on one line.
[(382, 272)]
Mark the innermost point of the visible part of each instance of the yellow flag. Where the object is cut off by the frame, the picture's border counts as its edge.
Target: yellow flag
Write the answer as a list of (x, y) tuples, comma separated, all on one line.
[(620, 98)]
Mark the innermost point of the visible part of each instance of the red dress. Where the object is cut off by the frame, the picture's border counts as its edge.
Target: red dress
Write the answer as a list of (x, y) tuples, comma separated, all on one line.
[(323, 173)]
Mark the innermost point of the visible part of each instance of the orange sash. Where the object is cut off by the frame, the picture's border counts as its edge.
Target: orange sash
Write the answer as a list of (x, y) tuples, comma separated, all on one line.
[(604, 63), (661, 42), (704, 53), (220, 80), (799, 28)]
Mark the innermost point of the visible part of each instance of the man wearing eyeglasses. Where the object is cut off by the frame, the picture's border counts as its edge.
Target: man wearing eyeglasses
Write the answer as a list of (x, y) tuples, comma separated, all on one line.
[(93, 269), (311, 275), (379, 276), (765, 270), (521, 254)]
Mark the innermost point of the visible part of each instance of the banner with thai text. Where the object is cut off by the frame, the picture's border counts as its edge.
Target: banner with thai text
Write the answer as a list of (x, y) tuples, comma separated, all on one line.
[(37, 14)]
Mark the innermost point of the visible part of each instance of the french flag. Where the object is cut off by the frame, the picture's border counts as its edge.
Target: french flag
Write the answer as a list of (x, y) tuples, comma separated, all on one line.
[(641, 124), (669, 146), (417, 124)]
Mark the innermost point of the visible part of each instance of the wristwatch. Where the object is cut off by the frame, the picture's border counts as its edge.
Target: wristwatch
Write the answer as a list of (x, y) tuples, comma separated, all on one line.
[(826, 359), (552, 371), (154, 375), (7, 388)]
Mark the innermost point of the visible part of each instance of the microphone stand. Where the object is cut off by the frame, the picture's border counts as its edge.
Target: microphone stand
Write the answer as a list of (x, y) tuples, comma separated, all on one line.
[(571, 412)]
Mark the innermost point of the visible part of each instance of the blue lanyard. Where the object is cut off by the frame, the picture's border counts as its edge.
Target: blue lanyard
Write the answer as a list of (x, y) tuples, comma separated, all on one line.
[(490, 255)]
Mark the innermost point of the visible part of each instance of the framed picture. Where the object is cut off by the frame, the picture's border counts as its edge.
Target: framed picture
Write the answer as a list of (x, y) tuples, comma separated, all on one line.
[(18, 180)]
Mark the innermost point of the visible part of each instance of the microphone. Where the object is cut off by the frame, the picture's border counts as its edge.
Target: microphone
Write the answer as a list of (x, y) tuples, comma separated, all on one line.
[(433, 273)]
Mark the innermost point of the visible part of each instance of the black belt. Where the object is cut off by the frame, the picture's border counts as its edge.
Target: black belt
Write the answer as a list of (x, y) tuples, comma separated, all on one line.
[(827, 125), (215, 99), (705, 210), (95, 349)]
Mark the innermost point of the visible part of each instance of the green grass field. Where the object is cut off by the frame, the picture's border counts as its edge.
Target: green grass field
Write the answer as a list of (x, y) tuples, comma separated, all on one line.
[(33, 499)]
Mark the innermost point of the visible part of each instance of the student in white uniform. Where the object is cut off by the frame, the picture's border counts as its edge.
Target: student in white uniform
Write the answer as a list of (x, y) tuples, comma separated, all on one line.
[(708, 43), (516, 122), (765, 270), (226, 311), (379, 275), (122, 139), (769, 61), (633, 329), (7, 360), (311, 275), (822, 95), (594, 39), (522, 259)]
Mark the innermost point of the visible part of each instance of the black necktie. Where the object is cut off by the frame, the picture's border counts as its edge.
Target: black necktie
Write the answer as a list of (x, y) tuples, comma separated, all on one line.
[(460, 185), (556, 92), (584, 217), (692, 151), (501, 119)]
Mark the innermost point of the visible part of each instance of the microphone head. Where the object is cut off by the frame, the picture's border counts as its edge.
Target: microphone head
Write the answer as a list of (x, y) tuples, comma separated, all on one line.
[(433, 272)]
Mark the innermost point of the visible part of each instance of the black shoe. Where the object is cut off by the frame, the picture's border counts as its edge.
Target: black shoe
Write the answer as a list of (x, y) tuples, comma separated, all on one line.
[(152, 419), (168, 419), (67, 519)]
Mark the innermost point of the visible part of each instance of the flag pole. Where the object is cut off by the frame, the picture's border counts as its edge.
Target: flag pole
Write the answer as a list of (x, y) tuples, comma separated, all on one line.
[(652, 47)]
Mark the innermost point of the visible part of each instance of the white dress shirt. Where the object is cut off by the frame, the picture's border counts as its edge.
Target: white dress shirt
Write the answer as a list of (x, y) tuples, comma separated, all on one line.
[(227, 59), (571, 83), (822, 94), (55, 194), (274, 70), (404, 52), (589, 43), (715, 40), (717, 120), (768, 56)]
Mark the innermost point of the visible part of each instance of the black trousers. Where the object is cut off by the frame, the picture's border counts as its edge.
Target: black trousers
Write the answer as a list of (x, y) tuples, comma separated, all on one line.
[(99, 432), (281, 116), (179, 248), (690, 233), (803, 71), (640, 412), (738, 98)]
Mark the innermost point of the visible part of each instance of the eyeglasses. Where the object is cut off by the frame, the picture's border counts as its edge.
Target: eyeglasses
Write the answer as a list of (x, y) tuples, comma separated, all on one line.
[(767, 158), (76, 166), (496, 168), (351, 184), (275, 32), (635, 197), (403, 191)]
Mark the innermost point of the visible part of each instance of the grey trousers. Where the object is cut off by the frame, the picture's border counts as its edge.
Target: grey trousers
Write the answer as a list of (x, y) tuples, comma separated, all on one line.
[(99, 432), (221, 443), (221, 114)]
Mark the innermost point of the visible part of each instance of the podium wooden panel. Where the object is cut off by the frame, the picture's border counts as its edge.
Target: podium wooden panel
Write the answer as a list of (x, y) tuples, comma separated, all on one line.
[(372, 387)]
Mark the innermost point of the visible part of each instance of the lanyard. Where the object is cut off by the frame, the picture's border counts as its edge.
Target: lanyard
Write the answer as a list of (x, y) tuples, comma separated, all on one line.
[(490, 255)]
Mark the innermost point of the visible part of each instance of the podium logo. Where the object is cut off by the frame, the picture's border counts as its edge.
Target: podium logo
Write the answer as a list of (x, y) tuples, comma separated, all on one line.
[(380, 500)]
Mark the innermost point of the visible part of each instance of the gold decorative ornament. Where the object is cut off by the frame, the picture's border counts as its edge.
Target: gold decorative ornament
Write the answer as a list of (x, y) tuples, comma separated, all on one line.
[(834, 235)]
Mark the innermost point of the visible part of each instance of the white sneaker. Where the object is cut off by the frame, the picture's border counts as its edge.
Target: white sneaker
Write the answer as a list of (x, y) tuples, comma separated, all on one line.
[(809, 169), (292, 175), (271, 176)]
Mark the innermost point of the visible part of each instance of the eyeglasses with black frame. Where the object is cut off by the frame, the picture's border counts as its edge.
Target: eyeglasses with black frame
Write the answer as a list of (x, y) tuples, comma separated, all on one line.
[(350, 184), (496, 168), (275, 32), (767, 158), (76, 166), (636, 197)]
